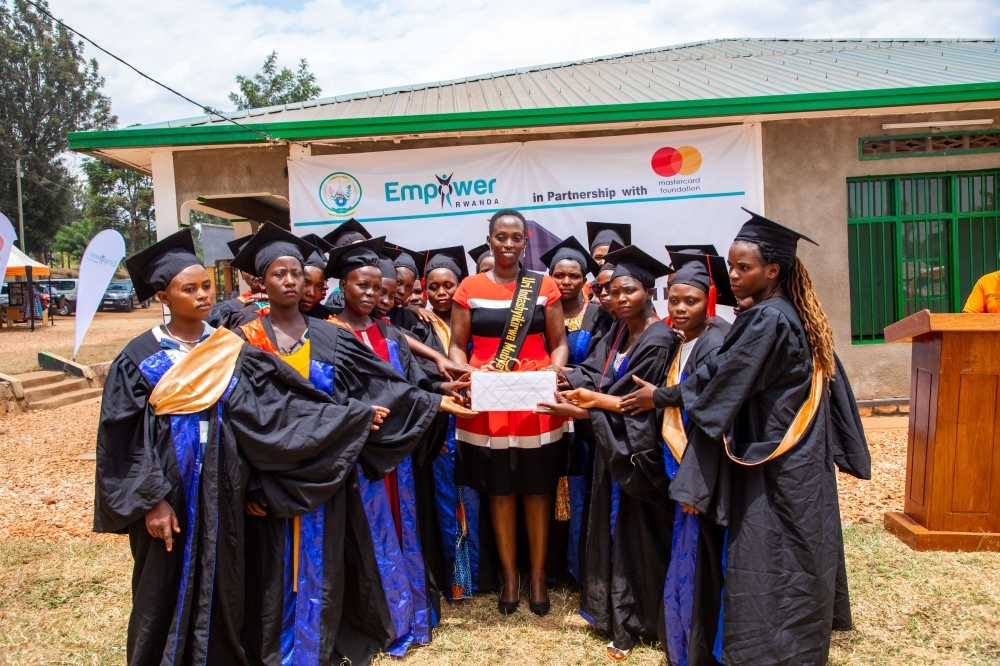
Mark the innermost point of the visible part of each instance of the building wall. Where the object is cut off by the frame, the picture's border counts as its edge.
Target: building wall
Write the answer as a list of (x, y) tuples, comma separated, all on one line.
[(806, 167), (230, 171)]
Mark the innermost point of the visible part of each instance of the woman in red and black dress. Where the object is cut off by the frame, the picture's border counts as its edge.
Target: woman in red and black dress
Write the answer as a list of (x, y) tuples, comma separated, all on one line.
[(507, 454)]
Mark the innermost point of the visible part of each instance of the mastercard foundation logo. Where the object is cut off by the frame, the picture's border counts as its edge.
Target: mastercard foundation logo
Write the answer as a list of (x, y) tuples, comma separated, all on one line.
[(669, 162)]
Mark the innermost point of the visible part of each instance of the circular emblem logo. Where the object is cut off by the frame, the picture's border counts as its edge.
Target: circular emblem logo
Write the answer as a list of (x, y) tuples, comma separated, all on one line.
[(340, 193), (669, 162)]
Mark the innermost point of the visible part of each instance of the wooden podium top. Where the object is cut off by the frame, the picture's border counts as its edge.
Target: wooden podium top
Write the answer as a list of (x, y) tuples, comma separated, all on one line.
[(926, 322)]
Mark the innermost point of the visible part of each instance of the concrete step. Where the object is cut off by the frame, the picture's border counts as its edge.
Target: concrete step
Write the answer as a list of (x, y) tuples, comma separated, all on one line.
[(70, 398), (66, 385), (34, 379)]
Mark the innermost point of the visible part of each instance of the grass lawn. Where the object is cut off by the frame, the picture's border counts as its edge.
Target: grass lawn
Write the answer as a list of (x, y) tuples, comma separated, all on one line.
[(67, 603)]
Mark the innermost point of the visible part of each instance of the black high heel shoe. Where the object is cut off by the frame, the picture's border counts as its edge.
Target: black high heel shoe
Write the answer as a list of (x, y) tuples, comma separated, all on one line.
[(509, 607), (539, 608)]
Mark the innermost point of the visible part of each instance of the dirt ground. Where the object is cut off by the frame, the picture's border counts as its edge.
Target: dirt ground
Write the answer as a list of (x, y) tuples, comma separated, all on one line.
[(64, 591), (108, 335)]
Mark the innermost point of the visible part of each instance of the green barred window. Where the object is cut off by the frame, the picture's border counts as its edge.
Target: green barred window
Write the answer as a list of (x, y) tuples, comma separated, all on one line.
[(918, 242)]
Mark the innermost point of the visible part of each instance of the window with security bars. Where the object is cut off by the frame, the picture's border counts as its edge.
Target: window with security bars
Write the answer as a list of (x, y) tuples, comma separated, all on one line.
[(927, 145), (918, 242)]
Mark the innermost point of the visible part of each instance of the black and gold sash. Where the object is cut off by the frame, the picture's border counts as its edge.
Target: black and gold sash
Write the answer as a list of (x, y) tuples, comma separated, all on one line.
[(515, 330)]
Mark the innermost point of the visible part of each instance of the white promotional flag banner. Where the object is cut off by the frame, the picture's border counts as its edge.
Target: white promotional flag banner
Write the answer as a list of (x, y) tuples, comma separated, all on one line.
[(97, 266), (7, 238), (673, 187)]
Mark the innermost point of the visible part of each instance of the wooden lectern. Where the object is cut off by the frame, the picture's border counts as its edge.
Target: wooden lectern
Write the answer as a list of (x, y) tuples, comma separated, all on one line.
[(953, 455)]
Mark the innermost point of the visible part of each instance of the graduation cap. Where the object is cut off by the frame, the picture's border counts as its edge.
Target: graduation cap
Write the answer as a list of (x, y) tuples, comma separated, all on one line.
[(346, 258), (339, 237), (410, 259), (236, 245), (602, 233), (317, 259), (152, 269), (479, 253), (269, 243), (386, 261), (632, 262), (452, 258), (692, 249), (571, 249), (706, 272), (760, 229)]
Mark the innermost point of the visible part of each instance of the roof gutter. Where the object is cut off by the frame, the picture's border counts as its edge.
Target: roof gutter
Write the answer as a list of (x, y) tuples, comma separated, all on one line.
[(204, 135)]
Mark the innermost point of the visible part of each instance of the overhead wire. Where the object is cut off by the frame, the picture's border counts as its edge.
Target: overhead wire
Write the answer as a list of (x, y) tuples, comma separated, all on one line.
[(209, 110)]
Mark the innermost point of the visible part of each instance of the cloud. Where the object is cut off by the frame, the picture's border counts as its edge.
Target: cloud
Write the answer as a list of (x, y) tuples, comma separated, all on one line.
[(199, 46)]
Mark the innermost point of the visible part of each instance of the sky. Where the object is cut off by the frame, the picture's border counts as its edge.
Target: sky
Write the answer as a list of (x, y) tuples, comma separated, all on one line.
[(199, 46)]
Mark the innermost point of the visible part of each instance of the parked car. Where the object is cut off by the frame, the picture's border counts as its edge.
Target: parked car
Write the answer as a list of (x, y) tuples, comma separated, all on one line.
[(67, 287), (56, 299), (121, 296), (5, 295)]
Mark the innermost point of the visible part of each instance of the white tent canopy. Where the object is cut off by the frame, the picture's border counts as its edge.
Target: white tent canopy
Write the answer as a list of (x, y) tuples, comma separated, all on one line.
[(17, 262)]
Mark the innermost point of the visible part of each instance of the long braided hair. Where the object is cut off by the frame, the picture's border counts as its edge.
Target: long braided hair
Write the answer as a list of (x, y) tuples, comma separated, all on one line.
[(794, 281)]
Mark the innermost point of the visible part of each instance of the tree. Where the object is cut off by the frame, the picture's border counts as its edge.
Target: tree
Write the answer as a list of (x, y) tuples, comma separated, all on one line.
[(121, 199), (270, 87), (48, 90), (73, 238)]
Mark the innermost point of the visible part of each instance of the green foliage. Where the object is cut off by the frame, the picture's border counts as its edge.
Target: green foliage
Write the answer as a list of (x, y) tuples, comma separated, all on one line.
[(270, 87), (73, 238), (121, 199), (48, 89)]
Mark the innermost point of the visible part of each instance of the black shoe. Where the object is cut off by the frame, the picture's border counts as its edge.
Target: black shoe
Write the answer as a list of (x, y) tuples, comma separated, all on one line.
[(539, 608), (509, 607)]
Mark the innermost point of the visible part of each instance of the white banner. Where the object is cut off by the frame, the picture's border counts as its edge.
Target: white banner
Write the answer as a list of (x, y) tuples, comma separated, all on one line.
[(97, 266), (7, 238), (674, 188)]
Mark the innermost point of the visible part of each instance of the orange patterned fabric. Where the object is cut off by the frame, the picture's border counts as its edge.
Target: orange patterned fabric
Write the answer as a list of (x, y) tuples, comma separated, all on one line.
[(257, 336), (562, 500)]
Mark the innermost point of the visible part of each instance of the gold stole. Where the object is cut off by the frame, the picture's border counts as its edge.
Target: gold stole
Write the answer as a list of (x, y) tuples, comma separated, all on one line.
[(676, 438), (443, 332), (803, 418), (198, 380)]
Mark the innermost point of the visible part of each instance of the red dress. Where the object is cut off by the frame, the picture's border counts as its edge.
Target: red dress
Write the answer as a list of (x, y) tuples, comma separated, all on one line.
[(508, 452)]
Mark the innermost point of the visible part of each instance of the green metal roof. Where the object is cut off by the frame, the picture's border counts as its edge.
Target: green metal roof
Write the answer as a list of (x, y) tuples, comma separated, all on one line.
[(708, 79)]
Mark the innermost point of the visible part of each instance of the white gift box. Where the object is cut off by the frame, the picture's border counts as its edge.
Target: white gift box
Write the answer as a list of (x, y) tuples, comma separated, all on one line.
[(512, 391)]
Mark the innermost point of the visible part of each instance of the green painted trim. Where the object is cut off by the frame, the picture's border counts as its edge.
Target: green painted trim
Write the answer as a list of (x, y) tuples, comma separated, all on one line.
[(518, 118), (868, 342), (862, 140)]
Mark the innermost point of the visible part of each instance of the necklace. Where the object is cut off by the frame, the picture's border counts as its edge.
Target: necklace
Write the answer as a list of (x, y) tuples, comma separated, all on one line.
[(496, 279), (187, 342)]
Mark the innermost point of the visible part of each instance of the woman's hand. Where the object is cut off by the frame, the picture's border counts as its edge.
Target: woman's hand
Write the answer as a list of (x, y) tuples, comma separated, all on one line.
[(452, 406), (560, 406), (640, 400), (380, 414), (452, 388), (255, 508), (593, 400), (689, 509), (161, 523), (425, 315), (449, 368)]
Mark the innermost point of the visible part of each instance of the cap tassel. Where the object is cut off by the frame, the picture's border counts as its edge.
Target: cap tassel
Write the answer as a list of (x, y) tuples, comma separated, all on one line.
[(712, 292)]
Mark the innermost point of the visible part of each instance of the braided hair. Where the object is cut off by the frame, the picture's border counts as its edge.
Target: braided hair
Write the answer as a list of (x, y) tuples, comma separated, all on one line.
[(794, 281), (507, 212)]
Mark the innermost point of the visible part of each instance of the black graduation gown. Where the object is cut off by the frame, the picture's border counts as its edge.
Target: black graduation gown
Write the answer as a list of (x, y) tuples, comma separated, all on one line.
[(188, 605), (338, 567), (231, 313), (693, 591), (630, 522), (786, 587)]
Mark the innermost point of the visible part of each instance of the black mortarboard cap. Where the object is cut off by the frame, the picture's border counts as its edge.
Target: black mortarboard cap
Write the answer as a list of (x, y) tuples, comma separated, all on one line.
[(152, 269), (386, 261), (693, 268), (760, 229), (236, 245), (317, 259), (452, 258), (632, 262), (352, 226), (321, 244), (269, 243), (602, 233), (571, 249), (410, 259), (692, 249), (479, 253), (347, 258)]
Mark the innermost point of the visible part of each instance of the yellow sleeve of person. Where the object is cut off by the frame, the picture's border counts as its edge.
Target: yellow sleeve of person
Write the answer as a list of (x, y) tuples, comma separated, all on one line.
[(985, 296)]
